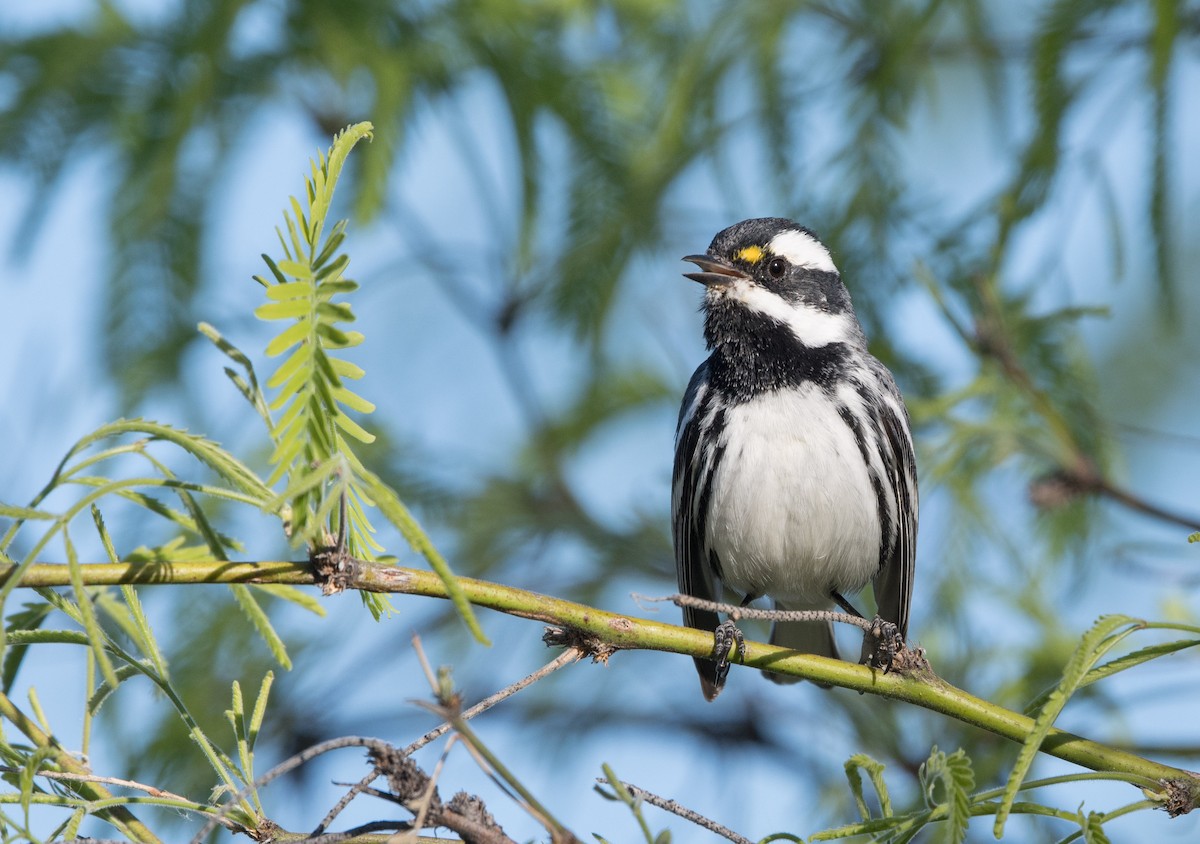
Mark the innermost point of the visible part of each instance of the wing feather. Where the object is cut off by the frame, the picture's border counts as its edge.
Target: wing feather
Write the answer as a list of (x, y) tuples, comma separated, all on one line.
[(894, 583), (692, 566)]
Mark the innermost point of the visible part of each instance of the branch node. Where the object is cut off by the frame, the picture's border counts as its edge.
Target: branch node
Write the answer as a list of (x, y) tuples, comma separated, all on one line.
[(264, 830), (334, 570), (405, 778), (912, 662), (1182, 796), (413, 789), (472, 809), (585, 643)]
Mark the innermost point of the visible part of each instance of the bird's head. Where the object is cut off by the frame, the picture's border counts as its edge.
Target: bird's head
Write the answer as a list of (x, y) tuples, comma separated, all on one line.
[(770, 273)]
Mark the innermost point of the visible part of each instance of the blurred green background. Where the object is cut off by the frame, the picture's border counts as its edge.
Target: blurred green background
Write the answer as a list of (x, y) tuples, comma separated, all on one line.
[(1010, 190)]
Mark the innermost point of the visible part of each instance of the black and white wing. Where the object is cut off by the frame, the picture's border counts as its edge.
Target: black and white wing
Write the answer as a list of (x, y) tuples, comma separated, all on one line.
[(694, 465), (894, 583)]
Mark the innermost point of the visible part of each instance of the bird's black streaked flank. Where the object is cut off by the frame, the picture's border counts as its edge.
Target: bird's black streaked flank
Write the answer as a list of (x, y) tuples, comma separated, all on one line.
[(794, 472)]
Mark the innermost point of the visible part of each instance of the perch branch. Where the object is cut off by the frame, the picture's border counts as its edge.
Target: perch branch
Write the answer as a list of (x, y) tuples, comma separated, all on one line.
[(613, 631)]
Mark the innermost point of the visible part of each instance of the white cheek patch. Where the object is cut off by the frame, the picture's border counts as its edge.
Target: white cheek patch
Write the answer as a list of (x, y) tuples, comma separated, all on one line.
[(812, 326), (802, 250)]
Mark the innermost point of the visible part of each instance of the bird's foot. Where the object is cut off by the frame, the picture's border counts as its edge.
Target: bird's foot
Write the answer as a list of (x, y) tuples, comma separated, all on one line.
[(726, 639), (881, 642)]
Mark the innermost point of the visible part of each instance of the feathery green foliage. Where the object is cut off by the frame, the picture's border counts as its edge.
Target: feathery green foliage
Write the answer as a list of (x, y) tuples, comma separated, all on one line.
[(328, 489), (327, 492), (862, 762), (312, 392), (323, 498), (237, 483), (951, 777), (1106, 634)]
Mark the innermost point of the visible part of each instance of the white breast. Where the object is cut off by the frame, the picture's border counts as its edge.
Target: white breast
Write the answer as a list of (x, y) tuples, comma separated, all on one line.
[(793, 513)]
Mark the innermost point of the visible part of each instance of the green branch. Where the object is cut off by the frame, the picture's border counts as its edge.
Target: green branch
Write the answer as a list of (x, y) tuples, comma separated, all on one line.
[(605, 633)]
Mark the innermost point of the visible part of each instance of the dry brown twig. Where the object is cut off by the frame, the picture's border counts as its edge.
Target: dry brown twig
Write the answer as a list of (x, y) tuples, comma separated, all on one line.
[(675, 808), (377, 746)]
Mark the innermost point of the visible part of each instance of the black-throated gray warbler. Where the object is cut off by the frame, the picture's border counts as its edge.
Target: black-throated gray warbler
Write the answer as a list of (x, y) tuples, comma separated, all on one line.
[(794, 472)]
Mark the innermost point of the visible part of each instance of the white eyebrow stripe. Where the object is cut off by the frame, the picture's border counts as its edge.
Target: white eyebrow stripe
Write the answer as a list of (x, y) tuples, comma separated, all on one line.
[(802, 250)]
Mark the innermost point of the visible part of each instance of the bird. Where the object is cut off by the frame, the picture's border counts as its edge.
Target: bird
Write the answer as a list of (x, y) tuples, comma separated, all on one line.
[(794, 473)]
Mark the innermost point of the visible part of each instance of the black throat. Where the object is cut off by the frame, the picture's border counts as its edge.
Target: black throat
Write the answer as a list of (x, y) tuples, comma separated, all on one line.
[(754, 354)]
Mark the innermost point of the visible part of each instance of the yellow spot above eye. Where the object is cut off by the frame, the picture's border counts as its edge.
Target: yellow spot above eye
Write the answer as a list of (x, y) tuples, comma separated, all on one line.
[(750, 254)]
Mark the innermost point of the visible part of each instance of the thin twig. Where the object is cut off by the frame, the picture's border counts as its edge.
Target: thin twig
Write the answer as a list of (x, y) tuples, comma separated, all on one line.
[(153, 791), (1155, 434), (447, 706), (63, 775), (1080, 470), (509, 785), (426, 799), (292, 762), (737, 612), (346, 835), (682, 811), (470, 828), (1106, 488), (354, 791), (565, 658)]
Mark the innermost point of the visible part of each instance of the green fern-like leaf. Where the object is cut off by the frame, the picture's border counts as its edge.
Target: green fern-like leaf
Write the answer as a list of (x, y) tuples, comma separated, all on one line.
[(328, 491), (312, 398), (947, 782), (960, 780), (874, 769), (1093, 829), (1103, 636)]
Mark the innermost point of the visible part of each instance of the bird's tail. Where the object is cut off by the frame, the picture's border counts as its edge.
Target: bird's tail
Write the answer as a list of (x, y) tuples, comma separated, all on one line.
[(810, 637)]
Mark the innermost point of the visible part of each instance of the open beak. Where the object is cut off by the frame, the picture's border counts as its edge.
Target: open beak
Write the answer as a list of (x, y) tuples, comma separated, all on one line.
[(714, 272)]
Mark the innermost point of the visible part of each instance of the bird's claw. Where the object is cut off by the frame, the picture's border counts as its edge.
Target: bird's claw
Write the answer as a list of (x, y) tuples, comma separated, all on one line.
[(881, 642), (726, 638)]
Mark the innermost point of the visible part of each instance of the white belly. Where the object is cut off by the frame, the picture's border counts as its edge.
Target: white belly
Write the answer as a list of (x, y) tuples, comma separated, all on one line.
[(793, 513)]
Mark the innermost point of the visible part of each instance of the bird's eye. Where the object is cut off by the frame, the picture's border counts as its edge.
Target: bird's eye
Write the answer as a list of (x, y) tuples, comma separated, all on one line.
[(777, 268)]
